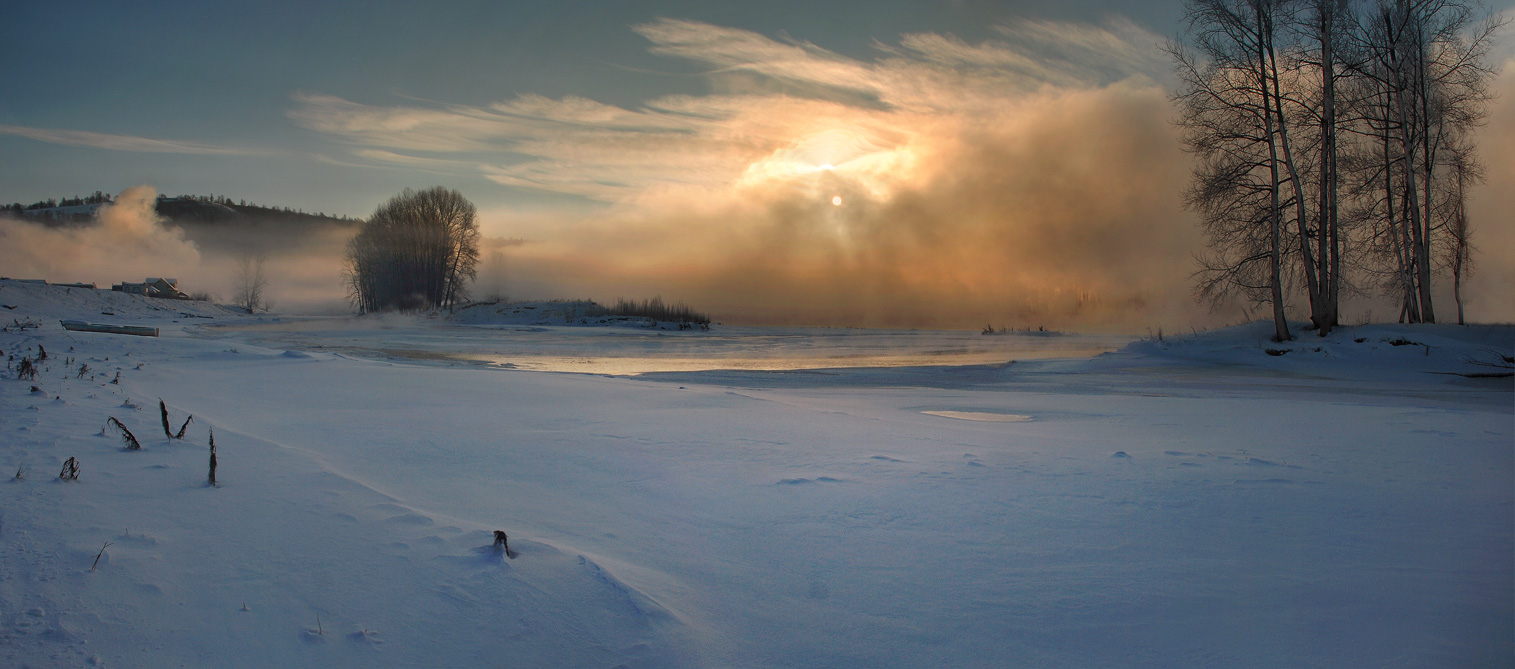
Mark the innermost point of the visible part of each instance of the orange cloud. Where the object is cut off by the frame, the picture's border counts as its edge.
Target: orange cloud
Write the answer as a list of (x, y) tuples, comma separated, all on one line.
[(1030, 179)]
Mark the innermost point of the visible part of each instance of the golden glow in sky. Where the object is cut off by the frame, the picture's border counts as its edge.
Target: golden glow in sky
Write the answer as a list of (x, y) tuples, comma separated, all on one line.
[(1029, 176)]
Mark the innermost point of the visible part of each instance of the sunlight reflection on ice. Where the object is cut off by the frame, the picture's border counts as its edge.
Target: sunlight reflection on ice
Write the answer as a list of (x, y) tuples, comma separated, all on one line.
[(629, 351), (981, 416)]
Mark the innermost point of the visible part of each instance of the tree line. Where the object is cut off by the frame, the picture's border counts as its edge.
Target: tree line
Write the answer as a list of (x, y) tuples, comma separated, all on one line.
[(1334, 147), (167, 206), (97, 197)]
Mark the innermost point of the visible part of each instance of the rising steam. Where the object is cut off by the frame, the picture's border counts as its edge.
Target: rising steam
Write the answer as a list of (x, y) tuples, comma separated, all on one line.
[(1062, 211), (128, 244), (128, 241)]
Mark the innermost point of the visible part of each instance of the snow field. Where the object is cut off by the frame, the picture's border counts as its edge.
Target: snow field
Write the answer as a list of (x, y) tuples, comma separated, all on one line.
[(283, 535), (1190, 503)]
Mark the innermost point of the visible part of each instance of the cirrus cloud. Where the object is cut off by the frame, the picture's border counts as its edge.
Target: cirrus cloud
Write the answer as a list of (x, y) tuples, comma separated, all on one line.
[(100, 140)]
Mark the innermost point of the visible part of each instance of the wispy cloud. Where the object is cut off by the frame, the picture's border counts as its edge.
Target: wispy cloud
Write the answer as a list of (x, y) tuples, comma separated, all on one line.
[(1091, 53), (1031, 178), (742, 50), (100, 140), (439, 165), (581, 146)]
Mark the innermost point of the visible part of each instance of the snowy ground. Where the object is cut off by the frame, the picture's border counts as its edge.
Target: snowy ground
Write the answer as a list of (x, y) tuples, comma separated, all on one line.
[(1192, 502)]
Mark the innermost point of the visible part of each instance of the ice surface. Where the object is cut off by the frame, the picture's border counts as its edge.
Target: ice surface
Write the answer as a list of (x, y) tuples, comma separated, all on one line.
[(1351, 506), (662, 348), (984, 416)]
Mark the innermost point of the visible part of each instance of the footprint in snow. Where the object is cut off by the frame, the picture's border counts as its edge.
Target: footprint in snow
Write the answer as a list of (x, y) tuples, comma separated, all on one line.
[(365, 636), (802, 481), (487, 555), (135, 540), (410, 519), (818, 590)]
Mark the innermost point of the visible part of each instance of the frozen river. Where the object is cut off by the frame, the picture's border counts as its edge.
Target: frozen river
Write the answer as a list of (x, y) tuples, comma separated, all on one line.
[(634, 350)]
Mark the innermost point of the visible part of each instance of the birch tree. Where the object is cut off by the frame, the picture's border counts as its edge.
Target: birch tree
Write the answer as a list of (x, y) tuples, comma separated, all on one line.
[(1426, 66), (1230, 117), (1313, 120)]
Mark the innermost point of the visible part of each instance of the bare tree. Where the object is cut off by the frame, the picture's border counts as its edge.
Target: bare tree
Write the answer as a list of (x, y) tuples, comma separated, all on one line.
[(1230, 115), (1313, 58), (1425, 61), (418, 250), (1465, 171), (251, 283), (1323, 126)]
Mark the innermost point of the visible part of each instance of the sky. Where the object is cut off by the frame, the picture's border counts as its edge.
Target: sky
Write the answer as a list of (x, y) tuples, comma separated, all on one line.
[(905, 164)]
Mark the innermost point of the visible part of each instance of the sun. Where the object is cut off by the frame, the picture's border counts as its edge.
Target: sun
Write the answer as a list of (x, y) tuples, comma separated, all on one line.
[(837, 200)]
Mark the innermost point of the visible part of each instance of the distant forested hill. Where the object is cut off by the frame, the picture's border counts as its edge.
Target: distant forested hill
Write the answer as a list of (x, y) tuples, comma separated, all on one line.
[(191, 209), (215, 223)]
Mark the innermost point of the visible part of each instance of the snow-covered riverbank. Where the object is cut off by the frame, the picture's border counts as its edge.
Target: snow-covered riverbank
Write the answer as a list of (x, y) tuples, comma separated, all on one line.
[(1191, 502)]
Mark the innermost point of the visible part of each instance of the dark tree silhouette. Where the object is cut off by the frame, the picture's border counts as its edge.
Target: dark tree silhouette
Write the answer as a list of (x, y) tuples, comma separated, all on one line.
[(1231, 118), (417, 251), (1332, 129)]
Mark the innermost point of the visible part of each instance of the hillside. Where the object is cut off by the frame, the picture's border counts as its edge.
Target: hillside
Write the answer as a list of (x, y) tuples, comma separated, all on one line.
[(182, 209), (217, 225), (23, 301)]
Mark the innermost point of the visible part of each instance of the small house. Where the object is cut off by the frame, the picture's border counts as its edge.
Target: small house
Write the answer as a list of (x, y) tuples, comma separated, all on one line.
[(153, 287)]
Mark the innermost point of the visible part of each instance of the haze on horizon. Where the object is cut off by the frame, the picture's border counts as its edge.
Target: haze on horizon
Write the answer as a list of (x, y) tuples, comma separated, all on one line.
[(951, 165)]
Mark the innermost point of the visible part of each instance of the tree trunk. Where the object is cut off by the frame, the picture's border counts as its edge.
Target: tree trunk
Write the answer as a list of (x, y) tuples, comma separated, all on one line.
[(1429, 144), (1275, 224), (1400, 240), (1327, 253), (1460, 231), (1420, 257), (1307, 258)]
